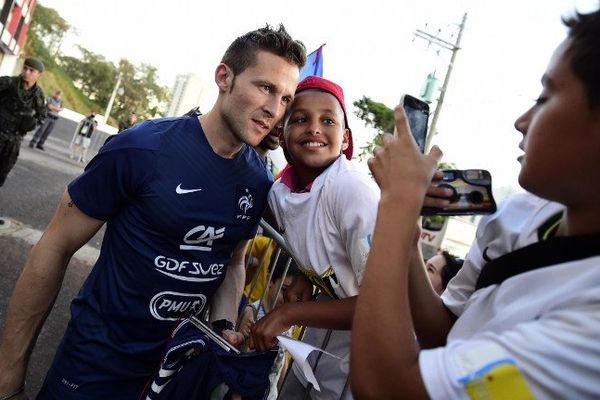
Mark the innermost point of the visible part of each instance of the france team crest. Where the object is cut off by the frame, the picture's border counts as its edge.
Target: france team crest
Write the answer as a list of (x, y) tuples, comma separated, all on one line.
[(244, 204)]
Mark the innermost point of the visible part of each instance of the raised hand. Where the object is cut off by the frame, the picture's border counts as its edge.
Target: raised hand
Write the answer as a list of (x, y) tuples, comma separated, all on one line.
[(401, 170)]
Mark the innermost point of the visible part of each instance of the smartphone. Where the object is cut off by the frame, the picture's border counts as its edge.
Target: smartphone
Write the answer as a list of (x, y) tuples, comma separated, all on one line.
[(472, 193), (417, 112)]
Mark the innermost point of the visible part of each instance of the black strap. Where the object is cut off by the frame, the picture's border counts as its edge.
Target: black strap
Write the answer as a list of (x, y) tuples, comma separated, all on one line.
[(542, 254)]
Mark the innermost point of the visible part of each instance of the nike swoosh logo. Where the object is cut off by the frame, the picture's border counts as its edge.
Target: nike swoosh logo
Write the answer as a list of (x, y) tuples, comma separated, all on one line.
[(179, 190)]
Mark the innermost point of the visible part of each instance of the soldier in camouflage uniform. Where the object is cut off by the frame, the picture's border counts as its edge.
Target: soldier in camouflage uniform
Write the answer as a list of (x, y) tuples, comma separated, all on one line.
[(22, 106)]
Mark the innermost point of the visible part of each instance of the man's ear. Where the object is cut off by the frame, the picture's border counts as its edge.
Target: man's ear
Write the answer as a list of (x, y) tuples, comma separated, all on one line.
[(224, 77)]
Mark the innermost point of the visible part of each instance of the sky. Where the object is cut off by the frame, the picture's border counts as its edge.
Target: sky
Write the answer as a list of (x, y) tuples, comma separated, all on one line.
[(370, 50)]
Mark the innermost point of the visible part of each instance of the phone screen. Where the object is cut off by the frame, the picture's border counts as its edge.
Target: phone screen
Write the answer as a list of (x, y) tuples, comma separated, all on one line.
[(417, 112)]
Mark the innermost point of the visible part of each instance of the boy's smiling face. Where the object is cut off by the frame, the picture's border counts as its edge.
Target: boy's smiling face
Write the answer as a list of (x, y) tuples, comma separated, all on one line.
[(314, 131)]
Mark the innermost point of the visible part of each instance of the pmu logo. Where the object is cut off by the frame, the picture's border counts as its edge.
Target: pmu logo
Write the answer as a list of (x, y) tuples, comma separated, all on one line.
[(201, 238), (170, 306), (245, 203)]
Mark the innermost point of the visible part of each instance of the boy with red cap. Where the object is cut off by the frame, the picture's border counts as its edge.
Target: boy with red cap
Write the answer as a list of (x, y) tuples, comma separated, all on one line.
[(326, 209)]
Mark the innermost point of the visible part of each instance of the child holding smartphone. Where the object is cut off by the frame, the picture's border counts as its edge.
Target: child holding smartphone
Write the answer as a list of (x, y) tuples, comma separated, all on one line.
[(326, 209), (521, 319)]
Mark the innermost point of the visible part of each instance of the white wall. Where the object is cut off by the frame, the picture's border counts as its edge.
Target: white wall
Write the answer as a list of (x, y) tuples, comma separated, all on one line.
[(8, 64)]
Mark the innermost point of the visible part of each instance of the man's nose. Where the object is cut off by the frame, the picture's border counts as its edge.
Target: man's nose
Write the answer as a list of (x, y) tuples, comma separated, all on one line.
[(274, 107)]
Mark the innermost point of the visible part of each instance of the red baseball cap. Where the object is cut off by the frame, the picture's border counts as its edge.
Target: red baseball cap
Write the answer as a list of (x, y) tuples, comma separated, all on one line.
[(316, 82)]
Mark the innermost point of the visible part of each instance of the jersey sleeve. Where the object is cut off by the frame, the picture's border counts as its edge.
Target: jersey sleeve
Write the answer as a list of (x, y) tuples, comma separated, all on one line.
[(353, 202), (554, 356), (115, 177), (461, 287)]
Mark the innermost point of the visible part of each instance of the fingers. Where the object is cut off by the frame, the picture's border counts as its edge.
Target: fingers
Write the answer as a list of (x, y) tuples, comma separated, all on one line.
[(262, 340), (438, 196), (386, 138), (435, 202), (436, 154), (438, 175), (439, 191), (401, 126), (234, 338)]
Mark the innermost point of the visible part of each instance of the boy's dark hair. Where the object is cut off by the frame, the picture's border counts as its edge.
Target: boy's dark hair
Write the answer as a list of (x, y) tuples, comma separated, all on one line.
[(584, 32), (241, 54), (453, 265), (279, 267)]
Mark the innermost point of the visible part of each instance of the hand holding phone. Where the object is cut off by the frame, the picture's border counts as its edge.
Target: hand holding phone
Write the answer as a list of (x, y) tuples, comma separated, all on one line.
[(471, 193)]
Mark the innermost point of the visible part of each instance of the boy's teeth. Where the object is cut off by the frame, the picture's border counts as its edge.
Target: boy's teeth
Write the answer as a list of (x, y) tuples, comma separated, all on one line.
[(313, 144)]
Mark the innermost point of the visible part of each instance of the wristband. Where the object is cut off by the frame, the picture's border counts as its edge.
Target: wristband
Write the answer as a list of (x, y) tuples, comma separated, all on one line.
[(221, 324)]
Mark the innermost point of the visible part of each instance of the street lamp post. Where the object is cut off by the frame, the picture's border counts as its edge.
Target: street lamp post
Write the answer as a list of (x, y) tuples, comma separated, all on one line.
[(454, 47), (112, 98)]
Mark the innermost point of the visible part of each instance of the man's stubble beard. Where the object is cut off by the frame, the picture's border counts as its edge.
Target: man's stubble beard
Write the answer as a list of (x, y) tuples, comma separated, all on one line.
[(237, 131)]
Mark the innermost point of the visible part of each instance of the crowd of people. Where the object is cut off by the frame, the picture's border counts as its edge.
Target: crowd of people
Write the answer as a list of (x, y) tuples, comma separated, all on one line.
[(182, 199)]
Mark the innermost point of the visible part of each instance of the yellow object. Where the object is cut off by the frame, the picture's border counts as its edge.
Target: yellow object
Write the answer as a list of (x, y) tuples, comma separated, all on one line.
[(503, 381), (262, 249)]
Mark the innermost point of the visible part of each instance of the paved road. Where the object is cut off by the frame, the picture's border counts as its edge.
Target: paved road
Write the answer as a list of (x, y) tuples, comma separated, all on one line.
[(27, 201)]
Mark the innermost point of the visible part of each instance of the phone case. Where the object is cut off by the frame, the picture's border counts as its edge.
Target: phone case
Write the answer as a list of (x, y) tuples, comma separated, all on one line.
[(472, 193)]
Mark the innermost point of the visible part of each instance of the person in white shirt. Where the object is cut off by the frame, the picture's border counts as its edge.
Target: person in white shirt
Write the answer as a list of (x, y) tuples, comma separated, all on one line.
[(326, 209), (524, 325)]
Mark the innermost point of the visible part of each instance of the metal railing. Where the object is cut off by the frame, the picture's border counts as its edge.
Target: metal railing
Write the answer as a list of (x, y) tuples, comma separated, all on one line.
[(268, 263)]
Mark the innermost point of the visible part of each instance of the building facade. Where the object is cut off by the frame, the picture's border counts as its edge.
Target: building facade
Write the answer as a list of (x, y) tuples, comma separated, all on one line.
[(15, 17), (188, 92)]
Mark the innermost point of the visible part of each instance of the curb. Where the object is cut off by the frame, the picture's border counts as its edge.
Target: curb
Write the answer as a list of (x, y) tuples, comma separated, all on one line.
[(18, 230)]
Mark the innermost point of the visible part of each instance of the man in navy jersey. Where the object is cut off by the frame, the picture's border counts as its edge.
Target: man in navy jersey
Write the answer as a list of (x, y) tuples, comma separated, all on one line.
[(180, 197)]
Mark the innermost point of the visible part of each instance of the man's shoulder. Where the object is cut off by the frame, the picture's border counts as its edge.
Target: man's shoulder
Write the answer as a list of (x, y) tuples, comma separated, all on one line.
[(9, 81), (143, 136), (146, 135)]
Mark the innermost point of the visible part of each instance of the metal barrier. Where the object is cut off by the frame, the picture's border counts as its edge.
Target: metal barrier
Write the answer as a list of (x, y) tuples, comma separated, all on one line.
[(264, 263)]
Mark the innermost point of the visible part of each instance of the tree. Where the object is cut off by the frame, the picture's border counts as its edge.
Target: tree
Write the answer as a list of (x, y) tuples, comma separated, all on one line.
[(141, 92), (96, 77), (90, 77), (375, 115), (92, 74), (47, 31)]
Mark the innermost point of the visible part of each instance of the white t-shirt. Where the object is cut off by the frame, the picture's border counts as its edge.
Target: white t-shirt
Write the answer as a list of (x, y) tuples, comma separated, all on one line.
[(328, 230), (533, 336), (516, 224)]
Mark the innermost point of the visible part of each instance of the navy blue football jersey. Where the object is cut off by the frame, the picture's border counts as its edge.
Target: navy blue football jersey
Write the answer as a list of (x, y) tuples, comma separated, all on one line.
[(175, 211)]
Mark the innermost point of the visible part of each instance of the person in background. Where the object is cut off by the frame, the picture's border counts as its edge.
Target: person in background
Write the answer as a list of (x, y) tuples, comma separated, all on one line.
[(270, 143), (128, 122), (524, 323), (441, 268), (83, 138), (54, 105), (180, 197), (274, 297), (22, 106)]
